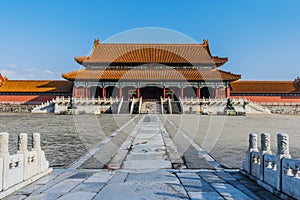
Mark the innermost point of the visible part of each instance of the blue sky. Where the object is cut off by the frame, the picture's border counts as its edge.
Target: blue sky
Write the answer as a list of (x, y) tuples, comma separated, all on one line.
[(39, 39)]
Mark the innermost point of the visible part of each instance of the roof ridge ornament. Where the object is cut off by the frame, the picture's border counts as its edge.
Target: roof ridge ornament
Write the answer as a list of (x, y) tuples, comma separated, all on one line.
[(297, 81), (96, 42), (205, 42), (3, 79)]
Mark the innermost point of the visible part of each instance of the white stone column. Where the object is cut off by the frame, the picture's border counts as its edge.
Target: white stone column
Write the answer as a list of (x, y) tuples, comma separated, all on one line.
[(4, 144), (41, 159), (36, 141), (264, 149), (4, 156), (252, 142), (282, 152), (252, 147), (22, 143)]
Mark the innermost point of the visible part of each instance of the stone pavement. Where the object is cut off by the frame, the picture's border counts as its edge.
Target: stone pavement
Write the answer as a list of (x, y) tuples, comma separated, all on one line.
[(142, 169), (148, 150), (160, 184)]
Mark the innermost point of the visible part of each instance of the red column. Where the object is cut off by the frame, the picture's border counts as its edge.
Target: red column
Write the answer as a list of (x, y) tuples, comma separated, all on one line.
[(216, 92), (74, 91), (227, 92), (138, 92), (198, 93), (120, 92), (181, 92), (87, 92), (164, 92), (103, 92)]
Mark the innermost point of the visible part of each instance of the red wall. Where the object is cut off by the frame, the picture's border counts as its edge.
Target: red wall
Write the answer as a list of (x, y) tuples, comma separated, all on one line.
[(26, 98), (286, 99)]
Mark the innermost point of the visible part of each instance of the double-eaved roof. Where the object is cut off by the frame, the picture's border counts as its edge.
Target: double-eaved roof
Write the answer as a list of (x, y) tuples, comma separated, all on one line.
[(137, 54), (182, 56)]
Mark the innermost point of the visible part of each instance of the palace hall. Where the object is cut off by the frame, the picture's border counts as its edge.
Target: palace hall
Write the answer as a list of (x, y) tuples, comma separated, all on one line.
[(151, 71)]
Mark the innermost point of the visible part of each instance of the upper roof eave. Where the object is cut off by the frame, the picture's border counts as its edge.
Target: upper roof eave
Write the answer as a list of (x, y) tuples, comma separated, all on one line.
[(218, 61)]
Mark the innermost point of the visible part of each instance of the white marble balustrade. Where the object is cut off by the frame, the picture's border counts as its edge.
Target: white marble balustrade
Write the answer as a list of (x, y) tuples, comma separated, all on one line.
[(21, 168), (276, 173)]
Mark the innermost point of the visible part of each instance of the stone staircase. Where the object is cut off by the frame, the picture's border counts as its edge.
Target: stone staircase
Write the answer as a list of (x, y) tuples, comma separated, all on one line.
[(135, 108), (125, 107), (165, 108), (150, 107), (255, 108), (176, 108)]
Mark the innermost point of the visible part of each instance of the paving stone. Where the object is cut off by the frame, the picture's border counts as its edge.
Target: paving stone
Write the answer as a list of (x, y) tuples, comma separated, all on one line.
[(151, 147), (229, 192), (148, 141), (53, 182), (28, 189), (225, 176), (16, 197), (102, 176), (119, 177), (148, 150), (204, 195), (78, 195), (89, 186), (238, 176), (45, 196), (81, 175), (156, 176), (195, 184), (146, 164), (211, 177), (65, 186), (146, 156), (137, 191), (48, 178), (246, 191)]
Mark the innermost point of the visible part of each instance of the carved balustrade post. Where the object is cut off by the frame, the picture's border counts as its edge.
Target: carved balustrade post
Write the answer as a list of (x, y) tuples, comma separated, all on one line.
[(252, 142), (264, 149), (36, 141), (4, 143), (22, 143), (252, 147), (283, 150)]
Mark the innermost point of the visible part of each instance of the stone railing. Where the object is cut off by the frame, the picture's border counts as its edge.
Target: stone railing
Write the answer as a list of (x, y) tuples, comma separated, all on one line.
[(277, 173), (120, 105), (85, 101), (140, 104), (22, 168)]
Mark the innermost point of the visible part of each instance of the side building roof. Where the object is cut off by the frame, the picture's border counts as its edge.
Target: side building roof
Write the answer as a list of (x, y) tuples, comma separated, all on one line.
[(39, 86), (138, 54), (264, 87)]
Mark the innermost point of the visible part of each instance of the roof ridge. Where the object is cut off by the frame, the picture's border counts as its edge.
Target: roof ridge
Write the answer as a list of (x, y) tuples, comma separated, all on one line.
[(35, 80), (275, 81)]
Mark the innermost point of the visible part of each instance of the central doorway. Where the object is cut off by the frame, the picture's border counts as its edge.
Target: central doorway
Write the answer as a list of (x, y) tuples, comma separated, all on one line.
[(151, 93)]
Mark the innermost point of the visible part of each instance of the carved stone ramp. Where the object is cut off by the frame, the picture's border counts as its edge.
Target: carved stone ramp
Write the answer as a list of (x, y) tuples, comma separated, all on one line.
[(149, 147), (148, 150)]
